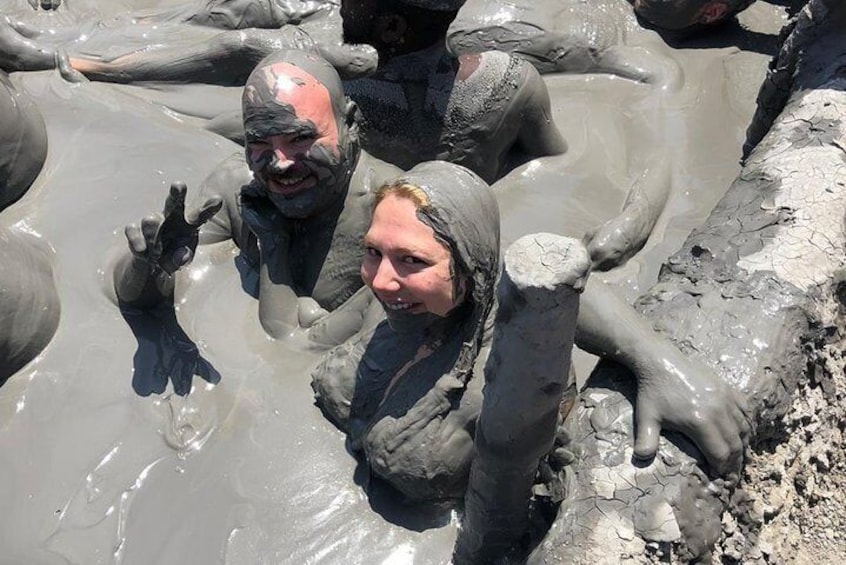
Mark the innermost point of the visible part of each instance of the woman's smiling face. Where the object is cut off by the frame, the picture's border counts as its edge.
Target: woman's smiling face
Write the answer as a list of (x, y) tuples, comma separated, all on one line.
[(407, 269)]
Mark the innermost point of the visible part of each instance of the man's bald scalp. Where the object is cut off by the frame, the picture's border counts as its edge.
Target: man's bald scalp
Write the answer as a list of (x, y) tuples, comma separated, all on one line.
[(311, 63)]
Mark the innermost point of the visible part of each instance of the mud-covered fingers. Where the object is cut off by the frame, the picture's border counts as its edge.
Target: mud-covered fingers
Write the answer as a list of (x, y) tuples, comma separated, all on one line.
[(142, 237), (715, 448), (743, 422), (175, 202), (202, 214), (648, 432), (135, 238), (66, 70)]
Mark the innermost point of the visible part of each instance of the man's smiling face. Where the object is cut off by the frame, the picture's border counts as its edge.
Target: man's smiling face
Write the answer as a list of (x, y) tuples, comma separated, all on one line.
[(292, 140)]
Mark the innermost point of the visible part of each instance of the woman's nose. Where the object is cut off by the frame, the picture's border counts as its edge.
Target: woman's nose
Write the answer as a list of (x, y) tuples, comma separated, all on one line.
[(386, 278)]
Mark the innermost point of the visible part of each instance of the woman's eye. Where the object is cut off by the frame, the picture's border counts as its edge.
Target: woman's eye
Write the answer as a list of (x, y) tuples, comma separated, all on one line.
[(372, 251), (411, 260)]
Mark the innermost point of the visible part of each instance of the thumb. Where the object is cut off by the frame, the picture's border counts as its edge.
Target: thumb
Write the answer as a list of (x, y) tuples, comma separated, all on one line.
[(182, 256), (648, 433)]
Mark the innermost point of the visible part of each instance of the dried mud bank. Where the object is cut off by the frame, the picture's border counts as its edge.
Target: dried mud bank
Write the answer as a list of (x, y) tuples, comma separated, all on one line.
[(757, 293)]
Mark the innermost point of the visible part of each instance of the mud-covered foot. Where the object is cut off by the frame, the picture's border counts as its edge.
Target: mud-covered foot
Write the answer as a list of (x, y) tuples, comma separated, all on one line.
[(614, 242)]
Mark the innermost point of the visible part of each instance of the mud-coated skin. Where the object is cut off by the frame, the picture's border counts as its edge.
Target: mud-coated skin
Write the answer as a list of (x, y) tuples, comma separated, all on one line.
[(306, 246), (409, 400), (567, 36), (243, 14), (29, 304), (753, 292), (328, 258), (528, 389), (687, 16), (23, 142), (476, 110)]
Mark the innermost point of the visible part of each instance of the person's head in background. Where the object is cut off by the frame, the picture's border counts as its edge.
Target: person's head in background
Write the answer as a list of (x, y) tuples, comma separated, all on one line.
[(397, 27), (686, 17)]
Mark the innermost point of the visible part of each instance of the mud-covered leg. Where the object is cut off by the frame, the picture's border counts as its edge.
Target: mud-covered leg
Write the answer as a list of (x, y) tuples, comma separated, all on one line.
[(526, 377)]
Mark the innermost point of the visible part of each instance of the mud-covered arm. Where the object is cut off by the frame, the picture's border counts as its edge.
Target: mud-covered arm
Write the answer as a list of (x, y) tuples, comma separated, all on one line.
[(159, 246), (673, 390), (538, 136), (614, 242), (278, 302)]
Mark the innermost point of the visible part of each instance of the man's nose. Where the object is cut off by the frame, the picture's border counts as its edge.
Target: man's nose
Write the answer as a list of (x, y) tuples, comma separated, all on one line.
[(386, 278), (283, 153)]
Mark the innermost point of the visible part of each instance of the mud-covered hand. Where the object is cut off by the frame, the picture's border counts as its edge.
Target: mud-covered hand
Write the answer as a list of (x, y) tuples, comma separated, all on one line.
[(169, 241), (690, 398)]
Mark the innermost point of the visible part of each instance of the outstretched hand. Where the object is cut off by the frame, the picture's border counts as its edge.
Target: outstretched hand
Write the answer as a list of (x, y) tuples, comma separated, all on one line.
[(169, 241), (689, 398)]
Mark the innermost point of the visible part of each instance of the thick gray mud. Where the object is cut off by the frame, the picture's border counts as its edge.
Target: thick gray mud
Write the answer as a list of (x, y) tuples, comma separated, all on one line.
[(102, 462)]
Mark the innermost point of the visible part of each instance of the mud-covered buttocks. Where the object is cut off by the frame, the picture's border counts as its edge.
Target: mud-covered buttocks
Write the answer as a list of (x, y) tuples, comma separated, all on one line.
[(29, 303), (23, 141)]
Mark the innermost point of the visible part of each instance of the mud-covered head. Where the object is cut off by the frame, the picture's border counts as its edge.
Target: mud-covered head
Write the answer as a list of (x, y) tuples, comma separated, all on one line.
[(300, 132), (459, 212), (395, 27), (687, 16)]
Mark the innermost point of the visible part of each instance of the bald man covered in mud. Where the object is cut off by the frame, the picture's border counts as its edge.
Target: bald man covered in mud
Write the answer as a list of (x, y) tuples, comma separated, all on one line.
[(297, 208)]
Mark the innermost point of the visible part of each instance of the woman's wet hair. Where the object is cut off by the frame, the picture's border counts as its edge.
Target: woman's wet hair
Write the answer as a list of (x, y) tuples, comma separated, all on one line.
[(461, 209)]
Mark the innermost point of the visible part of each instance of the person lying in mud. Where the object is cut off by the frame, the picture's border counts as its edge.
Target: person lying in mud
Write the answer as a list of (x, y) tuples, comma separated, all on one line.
[(408, 391), (296, 209), (29, 302), (687, 17), (252, 29), (486, 111)]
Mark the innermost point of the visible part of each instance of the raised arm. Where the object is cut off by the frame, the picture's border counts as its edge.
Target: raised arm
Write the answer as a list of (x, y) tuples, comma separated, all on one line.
[(674, 391)]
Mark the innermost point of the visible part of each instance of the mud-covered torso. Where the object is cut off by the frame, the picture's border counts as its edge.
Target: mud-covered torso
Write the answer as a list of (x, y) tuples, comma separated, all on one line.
[(325, 263), (459, 111), (413, 422)]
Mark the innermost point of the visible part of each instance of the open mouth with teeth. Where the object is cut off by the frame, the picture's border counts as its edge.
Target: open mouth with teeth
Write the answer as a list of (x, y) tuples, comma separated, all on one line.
[(290, 181), (400, 306)]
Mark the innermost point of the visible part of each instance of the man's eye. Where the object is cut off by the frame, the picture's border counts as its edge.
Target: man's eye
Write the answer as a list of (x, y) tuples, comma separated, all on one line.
[(302, 138), (412, 260), (372, 251)]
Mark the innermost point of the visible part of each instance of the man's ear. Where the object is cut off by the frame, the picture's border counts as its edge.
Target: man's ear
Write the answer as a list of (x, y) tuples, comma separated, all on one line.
[(713, 12), (352, 118), (391, 29)]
